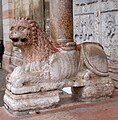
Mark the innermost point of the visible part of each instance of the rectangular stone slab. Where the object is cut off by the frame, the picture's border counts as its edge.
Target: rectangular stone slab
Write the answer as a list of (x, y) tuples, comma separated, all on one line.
[(31, 101)]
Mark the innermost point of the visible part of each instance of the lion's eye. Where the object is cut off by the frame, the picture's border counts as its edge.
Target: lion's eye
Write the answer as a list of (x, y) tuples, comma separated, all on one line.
[(12, 28), (21, 28)]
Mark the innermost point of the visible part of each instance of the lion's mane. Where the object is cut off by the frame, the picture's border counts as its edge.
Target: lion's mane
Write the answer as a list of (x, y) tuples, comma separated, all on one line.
[(37, 47)]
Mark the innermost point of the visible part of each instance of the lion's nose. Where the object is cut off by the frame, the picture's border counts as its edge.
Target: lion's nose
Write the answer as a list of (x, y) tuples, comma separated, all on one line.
[(16, 34)]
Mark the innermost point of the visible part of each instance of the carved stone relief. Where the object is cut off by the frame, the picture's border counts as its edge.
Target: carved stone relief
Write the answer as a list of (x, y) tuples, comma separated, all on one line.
[(97, 26), (106, 5), (115, 5), (105, 30), (81, 8), (110, 35), (97, 23), (84, 29), (86, 1), (108, 28)]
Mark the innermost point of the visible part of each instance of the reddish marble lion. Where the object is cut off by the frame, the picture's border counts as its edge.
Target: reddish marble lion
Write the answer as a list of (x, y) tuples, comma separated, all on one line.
[(48, 66)]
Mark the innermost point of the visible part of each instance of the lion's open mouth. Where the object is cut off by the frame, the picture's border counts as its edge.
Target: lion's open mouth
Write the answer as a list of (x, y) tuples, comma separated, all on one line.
[(19, 39), (23, 40), (15, 39)]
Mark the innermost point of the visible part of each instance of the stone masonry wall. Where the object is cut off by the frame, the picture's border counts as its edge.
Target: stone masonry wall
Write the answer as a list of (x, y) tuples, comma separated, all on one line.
[(7, 12), (97, 21), (1, 26)]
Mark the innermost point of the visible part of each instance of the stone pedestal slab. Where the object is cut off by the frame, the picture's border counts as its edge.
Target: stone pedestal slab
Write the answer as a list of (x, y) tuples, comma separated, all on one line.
[(30, 103)]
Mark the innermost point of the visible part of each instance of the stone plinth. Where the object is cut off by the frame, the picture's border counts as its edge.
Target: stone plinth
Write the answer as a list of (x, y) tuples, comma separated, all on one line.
[(72, 111), (23, 104)]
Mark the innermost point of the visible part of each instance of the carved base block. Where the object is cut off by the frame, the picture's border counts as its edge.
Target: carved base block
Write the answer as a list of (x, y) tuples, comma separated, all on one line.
[(93, 90), (30, 103)]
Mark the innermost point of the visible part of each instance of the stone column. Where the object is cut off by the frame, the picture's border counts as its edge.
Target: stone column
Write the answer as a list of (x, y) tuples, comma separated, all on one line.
[(61, 21)]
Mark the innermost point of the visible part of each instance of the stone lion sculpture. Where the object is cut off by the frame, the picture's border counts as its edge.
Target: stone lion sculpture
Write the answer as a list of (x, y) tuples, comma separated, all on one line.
[(48, 67)]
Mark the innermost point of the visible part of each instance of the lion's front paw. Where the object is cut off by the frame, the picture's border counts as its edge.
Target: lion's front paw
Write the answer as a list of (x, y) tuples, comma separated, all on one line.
[(18, 83), (16, 77)]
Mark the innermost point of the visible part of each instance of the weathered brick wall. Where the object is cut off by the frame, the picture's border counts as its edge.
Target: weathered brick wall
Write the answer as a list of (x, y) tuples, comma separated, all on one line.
[(97, 21)]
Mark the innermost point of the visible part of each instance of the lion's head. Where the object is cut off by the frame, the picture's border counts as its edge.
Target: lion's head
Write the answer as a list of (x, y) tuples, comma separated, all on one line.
[(33, 42), (23, 31)]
